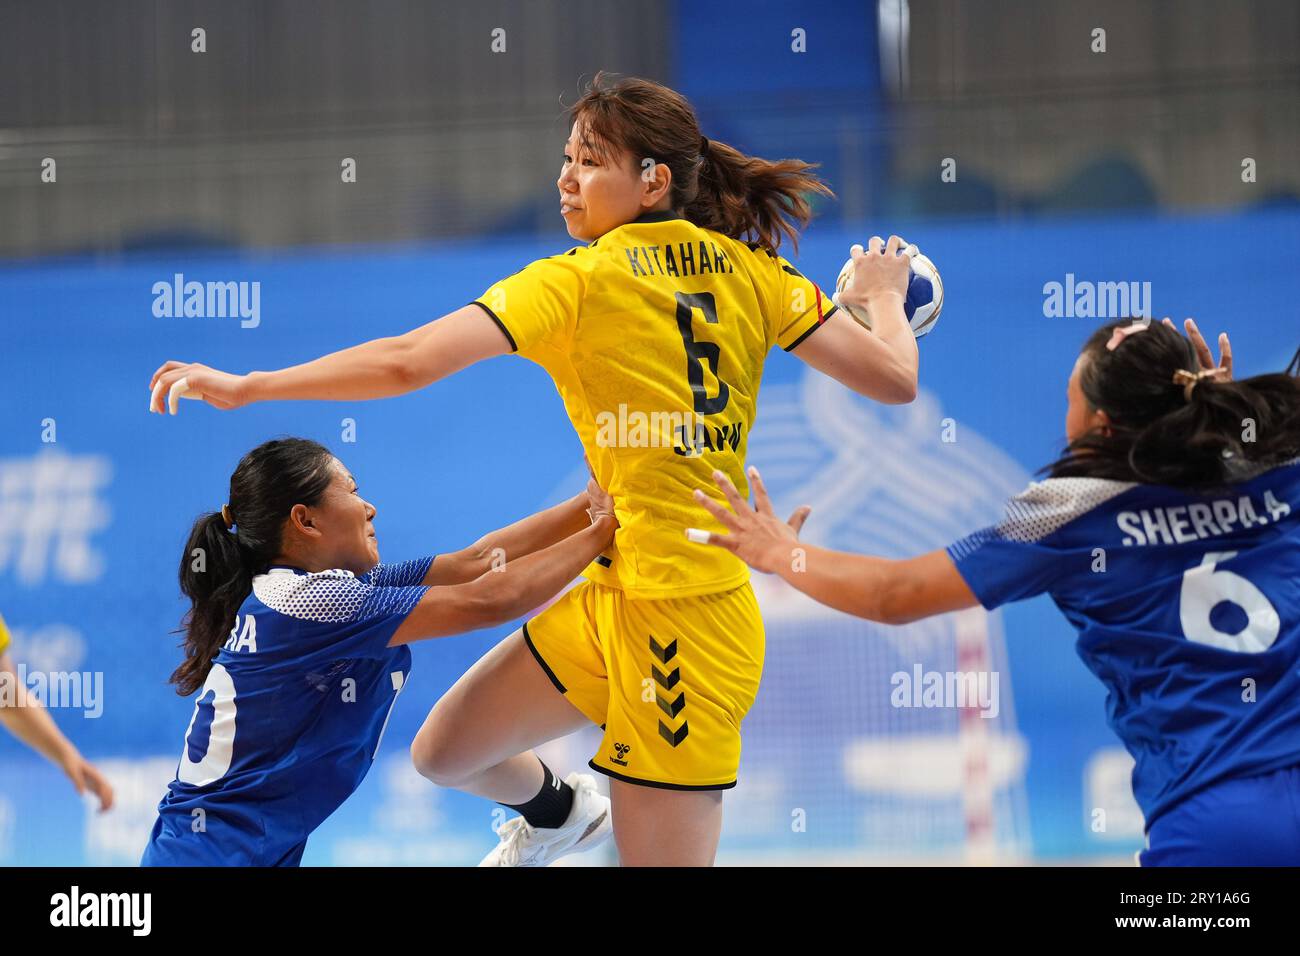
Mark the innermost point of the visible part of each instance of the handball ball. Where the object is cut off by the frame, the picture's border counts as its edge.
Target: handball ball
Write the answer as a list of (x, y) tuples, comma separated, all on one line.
[(924, 299)]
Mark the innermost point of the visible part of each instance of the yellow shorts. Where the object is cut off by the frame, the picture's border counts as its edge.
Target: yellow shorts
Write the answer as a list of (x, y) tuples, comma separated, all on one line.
[(667, 679)]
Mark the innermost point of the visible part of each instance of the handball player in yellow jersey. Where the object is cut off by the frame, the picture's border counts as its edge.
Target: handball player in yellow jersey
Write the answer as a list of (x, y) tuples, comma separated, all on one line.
[(655, 331)]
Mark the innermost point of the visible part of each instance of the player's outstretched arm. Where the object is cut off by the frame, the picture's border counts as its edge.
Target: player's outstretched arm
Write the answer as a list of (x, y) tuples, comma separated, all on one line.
[(881, 364), (523, 537), (516, 540), (31, 723), (379, 368), (508, 591), (892, 592)]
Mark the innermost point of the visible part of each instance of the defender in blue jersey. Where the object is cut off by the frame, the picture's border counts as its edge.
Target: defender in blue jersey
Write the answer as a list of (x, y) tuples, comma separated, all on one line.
[(1189, 485), (296, 642)]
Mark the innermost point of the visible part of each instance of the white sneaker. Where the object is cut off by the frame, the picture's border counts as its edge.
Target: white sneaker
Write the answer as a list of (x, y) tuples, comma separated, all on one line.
[(588, 825)]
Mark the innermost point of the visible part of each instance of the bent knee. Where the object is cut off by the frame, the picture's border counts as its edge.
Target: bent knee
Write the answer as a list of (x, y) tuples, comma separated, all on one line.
[(437, 758)]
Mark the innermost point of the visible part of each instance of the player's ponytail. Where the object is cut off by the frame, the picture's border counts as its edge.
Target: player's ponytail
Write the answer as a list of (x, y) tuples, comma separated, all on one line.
[(219, 562), (1169, 427), (713, 185), (746, 197), (214, 577)]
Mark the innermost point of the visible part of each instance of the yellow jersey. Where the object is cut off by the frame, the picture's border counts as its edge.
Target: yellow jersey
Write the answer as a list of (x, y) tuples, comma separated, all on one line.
[(655, 335), (4, 636)]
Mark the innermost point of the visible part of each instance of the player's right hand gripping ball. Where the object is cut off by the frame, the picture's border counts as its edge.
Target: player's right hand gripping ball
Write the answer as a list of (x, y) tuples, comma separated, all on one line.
[(924, 299)]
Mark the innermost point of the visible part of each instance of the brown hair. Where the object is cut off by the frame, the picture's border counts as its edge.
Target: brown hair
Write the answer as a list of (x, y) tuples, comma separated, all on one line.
[(718, 187)]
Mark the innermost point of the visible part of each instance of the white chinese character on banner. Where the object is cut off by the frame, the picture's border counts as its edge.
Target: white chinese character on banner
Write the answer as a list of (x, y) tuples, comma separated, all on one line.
[(50, 507)]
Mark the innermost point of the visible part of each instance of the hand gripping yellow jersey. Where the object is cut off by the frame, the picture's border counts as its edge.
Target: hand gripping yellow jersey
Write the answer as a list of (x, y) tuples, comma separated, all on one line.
[(655, 335)]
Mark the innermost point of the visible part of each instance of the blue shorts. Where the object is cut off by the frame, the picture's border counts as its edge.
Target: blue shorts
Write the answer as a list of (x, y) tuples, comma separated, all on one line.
[(1242, 821), (167, 847)]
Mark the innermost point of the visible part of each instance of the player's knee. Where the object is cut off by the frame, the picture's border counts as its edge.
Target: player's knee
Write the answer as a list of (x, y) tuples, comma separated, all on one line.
[(435, 758)]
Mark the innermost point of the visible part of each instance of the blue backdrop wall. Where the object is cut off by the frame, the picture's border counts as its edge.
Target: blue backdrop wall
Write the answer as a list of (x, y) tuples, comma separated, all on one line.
[(96, 496)]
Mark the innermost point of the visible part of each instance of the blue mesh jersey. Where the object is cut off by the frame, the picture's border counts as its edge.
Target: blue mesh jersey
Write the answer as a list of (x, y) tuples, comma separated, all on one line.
[(290, 717), (1187, 607)]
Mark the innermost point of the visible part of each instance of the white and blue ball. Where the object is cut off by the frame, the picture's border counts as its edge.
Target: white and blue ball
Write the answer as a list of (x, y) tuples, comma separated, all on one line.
[(924, 299)]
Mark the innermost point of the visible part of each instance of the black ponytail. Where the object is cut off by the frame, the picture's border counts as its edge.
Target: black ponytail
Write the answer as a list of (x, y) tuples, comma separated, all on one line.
[(217, 568), (1221, 432)]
